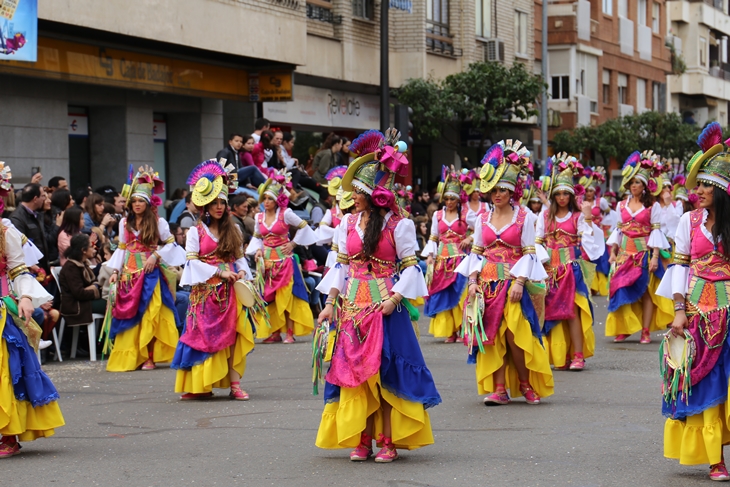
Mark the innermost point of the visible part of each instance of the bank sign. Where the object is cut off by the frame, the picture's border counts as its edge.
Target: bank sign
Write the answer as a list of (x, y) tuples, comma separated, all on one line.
[(19, 30)]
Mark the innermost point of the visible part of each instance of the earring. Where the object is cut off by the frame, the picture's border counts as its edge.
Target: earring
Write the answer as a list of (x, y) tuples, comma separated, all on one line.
[(207, 218)]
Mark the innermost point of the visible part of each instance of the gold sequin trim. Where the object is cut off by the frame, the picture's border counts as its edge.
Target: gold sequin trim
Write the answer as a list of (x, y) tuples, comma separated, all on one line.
[(475, 249), (656, 226), (335, 247), (681, 259), (122, 246), (16, 271), (324, 224), (530, 249), (302, 224), (409, 261), (343, 258), (170, 239), (256, 234), (192, 256), (23, 239), (433, 238), (539, 240)]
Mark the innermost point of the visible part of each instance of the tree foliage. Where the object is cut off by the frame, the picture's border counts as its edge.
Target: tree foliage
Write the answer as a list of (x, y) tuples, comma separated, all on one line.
[(664, 133), (487, 95)]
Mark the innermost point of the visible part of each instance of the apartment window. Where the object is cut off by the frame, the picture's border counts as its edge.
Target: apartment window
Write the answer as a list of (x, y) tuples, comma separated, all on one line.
[(521, 32), (484, 18), (623, 8), (364, 9), (560, 87), (640, 94), (606, 87), (655, 97), (437, 27), (703, 52), (623, 91), (641, 12), (608, 7), (655, 13)]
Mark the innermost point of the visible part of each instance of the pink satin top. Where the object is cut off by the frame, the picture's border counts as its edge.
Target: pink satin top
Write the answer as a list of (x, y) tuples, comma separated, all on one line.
[(504, 248), (278, 235), (707, 260), (562, 234), (637, 226), (454, 233), (381, 264)]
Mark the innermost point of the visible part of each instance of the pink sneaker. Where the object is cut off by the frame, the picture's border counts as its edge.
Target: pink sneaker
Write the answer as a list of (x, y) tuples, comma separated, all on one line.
[(274, 338), (719, 473), (645, 336), (364, 450), (149, 365), (577, 364), (238, 394), (388, 453), (497, 398), (531, 397), (9, 447), (289, 337), (620, 338)]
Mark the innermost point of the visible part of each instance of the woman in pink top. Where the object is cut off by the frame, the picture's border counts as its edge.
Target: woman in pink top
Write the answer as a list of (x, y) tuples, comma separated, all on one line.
[(72, 223)]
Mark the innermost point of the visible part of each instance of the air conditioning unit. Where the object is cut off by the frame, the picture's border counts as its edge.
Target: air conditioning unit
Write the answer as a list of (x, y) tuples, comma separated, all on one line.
[(494, 50)]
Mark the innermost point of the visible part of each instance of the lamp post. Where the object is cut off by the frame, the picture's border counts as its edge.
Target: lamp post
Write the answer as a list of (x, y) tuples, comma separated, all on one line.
[(384, 67)]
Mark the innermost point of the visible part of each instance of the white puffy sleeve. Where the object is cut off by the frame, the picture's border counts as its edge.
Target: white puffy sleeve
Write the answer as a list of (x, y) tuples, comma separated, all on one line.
[(431, 247), (540, 250), (336, 276), (676, 279), (411, 283), (616, 235), (195, 271), (305, 235), (257, 242), (670, 221), (23, 282), (471, 218), (475, 260), (242, 265), (657, 240), (32, 254), (116, 262), (325, 232), (528, 266), (332, 254), (591, 238), (170, 252)]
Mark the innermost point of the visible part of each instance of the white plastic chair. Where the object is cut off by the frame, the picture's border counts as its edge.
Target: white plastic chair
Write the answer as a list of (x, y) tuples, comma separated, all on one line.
[(90, 327)]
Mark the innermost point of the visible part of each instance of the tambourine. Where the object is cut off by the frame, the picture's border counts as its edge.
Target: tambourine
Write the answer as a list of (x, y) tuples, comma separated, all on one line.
[(245, 292)]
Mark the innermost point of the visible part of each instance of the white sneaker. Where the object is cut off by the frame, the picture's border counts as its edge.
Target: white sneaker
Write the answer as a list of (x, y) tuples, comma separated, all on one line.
[(44, 344)]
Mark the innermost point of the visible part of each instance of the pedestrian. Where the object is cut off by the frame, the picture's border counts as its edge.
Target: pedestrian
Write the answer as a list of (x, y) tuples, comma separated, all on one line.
[(284, 288), (263, 151), (143, 319), (325, 160), (218, 332), (697, 424), (372, 390), (633, 304), (509, 354), (444, 252), (567, 242), (29, 399)]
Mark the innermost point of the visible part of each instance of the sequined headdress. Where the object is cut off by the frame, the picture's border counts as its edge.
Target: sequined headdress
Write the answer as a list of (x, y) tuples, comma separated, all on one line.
[(211, 180), (505, 165), (450, 184), (593, 177), (563, 170), (679, 191), (646, 167), (334, 179), (710, 165), (145, 184), (277, 186), (469, 180)]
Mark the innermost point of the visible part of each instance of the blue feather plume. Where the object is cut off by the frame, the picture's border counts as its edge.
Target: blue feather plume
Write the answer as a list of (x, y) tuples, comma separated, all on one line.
[(710, 136), (494, 155)]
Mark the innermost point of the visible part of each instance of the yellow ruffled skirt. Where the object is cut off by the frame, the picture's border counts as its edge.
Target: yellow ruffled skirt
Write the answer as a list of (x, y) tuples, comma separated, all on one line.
[(298, 309), (343, 421), (213, 373), (448, 322), (600, 284), (628, 318), (558, 342), (698, 439), (20, 417), (130, 347), (536, 357)]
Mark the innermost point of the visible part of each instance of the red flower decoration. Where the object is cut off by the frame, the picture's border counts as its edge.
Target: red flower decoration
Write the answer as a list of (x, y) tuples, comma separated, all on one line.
[(651, 186), (579, 190), (282, 200), (155, 200), (383, 198)]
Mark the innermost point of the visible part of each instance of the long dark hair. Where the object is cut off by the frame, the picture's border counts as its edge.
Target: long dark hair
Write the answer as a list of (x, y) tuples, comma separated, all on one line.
[(721, 228), (79, 243), (149, 230), (572, 207), (374, 228), (230, 240), (71, 221)]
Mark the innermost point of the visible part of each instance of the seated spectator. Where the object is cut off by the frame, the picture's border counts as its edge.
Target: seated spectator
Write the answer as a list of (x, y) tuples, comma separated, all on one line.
[(263, 151), (80, 290), (178, 233), (422, 235), (71, 224), (239, 213), (189, 217), (80, 196), (326, 159)]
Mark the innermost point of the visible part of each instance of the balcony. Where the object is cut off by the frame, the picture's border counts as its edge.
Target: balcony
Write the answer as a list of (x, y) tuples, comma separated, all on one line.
[(626, 36), (713, 85), (624, 110)]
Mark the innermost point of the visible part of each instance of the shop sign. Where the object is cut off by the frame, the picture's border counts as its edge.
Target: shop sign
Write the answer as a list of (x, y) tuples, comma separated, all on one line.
[(327, 108), (78, 125), (159, 130), (19, 30)]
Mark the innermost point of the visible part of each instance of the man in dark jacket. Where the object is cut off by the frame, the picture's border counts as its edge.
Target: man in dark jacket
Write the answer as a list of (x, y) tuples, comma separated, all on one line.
[(232, 154), (29, 222)]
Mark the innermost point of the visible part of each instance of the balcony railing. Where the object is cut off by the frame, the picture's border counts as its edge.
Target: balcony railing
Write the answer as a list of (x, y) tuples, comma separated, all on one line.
[(722, 71), (321, 10)]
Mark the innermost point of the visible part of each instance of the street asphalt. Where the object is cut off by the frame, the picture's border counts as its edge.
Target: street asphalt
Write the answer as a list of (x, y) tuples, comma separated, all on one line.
[(602, 427)]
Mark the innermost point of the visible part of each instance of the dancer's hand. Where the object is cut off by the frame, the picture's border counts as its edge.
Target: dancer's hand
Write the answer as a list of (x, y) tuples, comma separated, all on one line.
[(612, 258), (149, 265), (429, 260), (288, 248), (466, 243), (325, 314), (259, 254), (387, 307), (473, 288), (228, 276), (654, 264), (515, 291), (25, 308), (113, 278), (241, 274), (679, 323)]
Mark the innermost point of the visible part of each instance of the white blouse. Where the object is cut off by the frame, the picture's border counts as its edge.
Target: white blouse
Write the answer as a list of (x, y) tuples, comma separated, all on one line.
[(25, 284), (528, 266), (304, 236), (431, 247), (171, 253), (411, 283), (31, 253), (196, 271), (676, 278)]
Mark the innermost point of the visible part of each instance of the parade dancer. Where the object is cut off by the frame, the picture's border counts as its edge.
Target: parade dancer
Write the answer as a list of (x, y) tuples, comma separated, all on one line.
[(447, 288), (143, 328), (633, 304), (28, 399), (695, 399), (378, 385), (331, 220), (567, 241), (284, 289), (219, 332), (507, 346), (592, 181)]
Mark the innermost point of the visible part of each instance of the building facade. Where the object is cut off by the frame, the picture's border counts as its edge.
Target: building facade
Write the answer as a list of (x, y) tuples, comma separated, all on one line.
[(606, 59), (699, 38)]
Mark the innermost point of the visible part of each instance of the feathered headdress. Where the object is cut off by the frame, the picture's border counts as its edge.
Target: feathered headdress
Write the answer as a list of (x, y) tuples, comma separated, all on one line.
[(565, 170), (146, 185), (711, 165), (277, 187), (505, 165), (211, 180), (334, 179), (642, 166)]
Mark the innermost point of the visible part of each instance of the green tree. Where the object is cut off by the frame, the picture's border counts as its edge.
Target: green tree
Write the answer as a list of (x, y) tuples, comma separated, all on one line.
[(431, 113)]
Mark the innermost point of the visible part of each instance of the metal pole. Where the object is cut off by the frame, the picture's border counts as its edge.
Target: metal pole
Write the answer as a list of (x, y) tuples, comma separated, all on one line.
[(384, 68), (544, 101)]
